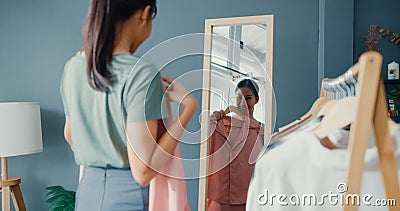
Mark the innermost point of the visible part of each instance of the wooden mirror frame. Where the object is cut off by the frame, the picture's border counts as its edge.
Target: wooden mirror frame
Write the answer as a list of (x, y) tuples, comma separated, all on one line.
[(209, 24)]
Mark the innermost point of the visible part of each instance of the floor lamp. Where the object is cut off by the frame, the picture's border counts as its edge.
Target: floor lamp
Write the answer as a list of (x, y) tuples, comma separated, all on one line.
[(20, 134)]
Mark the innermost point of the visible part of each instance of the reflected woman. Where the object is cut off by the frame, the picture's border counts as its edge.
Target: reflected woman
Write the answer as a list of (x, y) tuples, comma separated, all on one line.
[(246, 98), (234, 146)]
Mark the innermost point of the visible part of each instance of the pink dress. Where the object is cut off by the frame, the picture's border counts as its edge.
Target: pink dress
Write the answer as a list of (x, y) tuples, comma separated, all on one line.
[(234, 148), (167, 190)]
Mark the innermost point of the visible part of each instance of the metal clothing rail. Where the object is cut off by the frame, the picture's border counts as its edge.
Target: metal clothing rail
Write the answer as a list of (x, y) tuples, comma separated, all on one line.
[(235, 71)]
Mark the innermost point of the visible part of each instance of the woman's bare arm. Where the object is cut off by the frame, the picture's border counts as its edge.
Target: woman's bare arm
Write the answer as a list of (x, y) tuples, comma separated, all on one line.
[(68, 138), (143, 151)]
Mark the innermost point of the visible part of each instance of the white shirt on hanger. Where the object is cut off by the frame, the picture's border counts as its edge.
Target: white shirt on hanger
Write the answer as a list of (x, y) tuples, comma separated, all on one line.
[(301, 170)]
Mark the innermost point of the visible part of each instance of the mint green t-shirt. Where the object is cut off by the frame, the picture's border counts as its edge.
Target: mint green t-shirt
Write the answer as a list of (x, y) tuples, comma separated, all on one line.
[(97, 118)]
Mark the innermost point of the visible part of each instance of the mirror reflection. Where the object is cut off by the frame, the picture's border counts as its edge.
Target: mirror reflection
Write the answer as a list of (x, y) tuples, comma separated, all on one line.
[(237, 106)]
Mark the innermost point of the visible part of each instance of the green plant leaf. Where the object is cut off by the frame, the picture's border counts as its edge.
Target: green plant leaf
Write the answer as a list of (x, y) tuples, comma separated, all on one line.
[(55, 208), (57, 193), (60, 199), (70, 207), (60, 203), (54, 189), (395, 91), (51, 198), (64, 196)]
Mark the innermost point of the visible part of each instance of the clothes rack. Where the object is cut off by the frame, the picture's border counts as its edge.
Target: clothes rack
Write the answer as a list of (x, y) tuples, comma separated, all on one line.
[(371, 111)]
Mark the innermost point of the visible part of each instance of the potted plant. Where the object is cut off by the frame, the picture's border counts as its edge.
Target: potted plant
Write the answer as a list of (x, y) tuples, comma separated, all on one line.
[(372, 38), (60, 199), (394, 103), (395, 96)]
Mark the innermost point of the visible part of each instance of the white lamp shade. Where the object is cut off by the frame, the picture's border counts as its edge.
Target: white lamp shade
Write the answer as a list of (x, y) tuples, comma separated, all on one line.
[(20, 129)]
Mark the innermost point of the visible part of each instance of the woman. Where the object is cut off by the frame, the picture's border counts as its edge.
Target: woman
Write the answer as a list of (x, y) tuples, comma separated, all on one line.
[(234, 145), (106, 89), (246, 98)]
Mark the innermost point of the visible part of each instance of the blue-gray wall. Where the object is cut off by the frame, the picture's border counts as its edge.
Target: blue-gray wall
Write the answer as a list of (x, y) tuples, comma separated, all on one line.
[(37, 37), (336, 37), (386, 14)]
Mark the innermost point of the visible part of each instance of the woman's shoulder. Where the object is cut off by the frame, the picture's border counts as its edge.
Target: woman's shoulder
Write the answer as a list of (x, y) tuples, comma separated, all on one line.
[(77, 60), (79, 55), (257, 122), (134, 64), (142, 63), (120, 59), (143, 70)]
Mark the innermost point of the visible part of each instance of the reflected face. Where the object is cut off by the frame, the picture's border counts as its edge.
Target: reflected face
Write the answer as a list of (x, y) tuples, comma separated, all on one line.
[(245, 99)]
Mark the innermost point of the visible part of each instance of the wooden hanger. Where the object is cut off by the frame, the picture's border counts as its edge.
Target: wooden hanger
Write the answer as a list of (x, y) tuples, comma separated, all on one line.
[(392, 125), (320, 107), (338, 114), (234, 109), (323, 111), (317, 105), (294, 125)]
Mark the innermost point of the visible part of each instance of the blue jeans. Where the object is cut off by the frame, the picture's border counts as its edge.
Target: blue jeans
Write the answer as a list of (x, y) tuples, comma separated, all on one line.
[(107, 189)]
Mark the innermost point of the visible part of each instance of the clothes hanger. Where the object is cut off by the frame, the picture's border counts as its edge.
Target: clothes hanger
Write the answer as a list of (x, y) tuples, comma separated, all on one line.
[(347, 88), (392, 124), (337, 115), (323, 111), (346, 91), (364, 111), (323, 105), (234, 109), (343, 109), (317, 105), (341, 113), (351, 77)]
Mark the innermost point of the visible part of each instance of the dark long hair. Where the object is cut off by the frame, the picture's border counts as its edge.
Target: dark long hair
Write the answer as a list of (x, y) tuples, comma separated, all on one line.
[(99, 36)]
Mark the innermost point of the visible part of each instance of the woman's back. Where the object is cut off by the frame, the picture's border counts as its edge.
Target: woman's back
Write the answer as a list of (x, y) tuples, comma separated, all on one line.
[(98, 118), (112, 98)]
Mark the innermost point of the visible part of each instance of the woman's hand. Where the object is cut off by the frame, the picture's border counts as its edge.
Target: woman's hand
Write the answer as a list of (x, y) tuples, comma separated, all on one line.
[(219, 114), (177, 93)]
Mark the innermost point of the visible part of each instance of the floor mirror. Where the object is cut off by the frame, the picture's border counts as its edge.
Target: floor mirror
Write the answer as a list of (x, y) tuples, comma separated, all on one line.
[(237, 107)]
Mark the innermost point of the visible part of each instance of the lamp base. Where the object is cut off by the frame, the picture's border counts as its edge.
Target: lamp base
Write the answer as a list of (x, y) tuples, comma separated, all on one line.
[(10, 186)]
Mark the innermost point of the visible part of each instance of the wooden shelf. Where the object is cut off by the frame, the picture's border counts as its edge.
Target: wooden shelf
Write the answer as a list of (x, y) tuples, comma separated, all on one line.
[(391, 81), (396, 119)]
